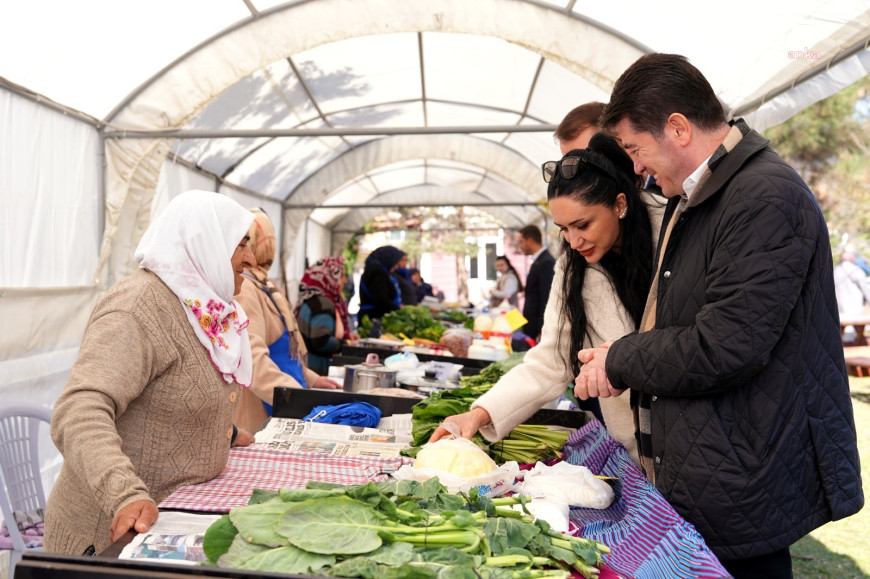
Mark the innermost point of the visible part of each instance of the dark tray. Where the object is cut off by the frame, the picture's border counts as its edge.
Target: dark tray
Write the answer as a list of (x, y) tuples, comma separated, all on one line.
[(297, 402), (38, 565), (360, 352)]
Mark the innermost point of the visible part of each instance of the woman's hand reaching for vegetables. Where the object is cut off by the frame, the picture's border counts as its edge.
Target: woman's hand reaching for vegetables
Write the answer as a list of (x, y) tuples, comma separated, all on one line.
[(468, 423)]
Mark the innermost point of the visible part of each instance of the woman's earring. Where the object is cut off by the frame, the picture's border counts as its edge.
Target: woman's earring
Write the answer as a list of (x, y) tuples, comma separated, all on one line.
[(624, 212)]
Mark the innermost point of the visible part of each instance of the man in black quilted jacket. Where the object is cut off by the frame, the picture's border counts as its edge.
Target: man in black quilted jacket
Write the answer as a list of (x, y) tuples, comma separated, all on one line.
[(736, 373)]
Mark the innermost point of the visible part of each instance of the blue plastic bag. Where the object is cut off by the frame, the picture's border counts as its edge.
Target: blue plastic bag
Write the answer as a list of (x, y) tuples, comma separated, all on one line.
[(350, 414)]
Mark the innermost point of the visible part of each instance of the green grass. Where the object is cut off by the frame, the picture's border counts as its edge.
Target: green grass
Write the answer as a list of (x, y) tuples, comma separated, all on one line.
[(842, 549)]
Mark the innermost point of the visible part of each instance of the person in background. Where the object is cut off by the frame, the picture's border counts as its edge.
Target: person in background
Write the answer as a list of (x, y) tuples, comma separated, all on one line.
[(507, 286), (599, 289), (578, 126), (322, 312), (278, 348), (538, 281), (737, 370), (423, 289), (850, 283), (406, 284), (148, 404), (852, 289), (379, 291)]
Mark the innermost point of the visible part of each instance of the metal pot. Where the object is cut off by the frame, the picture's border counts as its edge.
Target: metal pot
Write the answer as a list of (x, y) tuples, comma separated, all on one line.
[(370, 374)]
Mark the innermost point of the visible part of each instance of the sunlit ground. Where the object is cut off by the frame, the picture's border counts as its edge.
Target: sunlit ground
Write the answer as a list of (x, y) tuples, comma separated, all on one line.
[(842, 549)]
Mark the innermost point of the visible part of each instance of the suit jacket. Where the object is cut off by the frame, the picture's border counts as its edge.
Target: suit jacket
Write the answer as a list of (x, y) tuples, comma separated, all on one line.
[(538, 284)]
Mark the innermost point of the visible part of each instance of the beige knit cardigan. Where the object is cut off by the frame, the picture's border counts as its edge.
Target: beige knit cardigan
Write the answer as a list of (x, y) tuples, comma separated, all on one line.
[(144, 411), (544, 375), (265, 328)]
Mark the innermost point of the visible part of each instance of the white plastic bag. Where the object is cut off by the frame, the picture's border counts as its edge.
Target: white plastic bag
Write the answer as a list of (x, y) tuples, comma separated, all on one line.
[(554, 512), (568, 483), (494, 483)]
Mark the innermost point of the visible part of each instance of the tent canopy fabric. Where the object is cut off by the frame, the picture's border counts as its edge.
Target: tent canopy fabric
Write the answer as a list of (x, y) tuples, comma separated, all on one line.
[(285, 101), (325, 113)]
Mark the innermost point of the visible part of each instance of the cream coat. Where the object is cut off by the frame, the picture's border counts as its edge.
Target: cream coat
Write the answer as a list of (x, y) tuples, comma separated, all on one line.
[(544, 375)]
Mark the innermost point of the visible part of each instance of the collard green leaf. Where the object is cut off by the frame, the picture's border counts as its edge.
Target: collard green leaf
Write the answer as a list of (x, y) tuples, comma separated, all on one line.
[(256, 523), (261, 496), (289, 559), (218, 538), (585, 552), (393, 554), (240, 552), (564, 555), (426, 571), (462, 519), (447, 556), (355, 567), (337, 525), (299, 495), (539, 545), (504, 534)]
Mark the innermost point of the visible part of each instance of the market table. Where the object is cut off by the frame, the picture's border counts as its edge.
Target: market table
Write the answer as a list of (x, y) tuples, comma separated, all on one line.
[(646, 536)]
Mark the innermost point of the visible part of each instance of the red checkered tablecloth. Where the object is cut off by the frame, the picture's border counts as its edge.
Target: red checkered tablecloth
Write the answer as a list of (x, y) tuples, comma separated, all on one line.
[(271, 469)]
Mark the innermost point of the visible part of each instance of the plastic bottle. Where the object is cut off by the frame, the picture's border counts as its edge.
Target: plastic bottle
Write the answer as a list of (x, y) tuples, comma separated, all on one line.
[(481, 350)]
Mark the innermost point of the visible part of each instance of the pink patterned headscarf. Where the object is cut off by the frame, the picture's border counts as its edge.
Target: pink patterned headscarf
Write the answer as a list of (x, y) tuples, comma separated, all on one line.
[(190, 247), (324, 278)]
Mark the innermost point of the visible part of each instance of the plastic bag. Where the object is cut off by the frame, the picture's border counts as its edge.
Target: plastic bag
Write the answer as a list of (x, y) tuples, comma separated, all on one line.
[(402, 361), (568, 483), (491, 484), (556, 513), (457, 340), (350, 414)]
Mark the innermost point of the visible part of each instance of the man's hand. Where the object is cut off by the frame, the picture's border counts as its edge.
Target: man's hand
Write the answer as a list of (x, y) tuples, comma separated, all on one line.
[(469, 423), (244, 438), (592, 381), (138, 516), (326, 383)]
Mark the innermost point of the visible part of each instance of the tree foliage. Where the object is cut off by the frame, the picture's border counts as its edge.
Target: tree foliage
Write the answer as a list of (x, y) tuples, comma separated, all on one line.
[(828, 144)]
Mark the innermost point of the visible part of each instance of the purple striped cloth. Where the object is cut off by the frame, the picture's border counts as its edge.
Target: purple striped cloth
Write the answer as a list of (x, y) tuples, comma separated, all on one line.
[(645, 534)]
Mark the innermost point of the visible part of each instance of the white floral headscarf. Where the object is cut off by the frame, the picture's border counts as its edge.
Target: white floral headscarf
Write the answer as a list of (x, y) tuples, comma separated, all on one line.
[(190, 247)]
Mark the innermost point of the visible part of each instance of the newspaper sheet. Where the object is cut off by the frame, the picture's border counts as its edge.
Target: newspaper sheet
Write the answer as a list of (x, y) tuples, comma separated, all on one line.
[(174, 538), (333, 439)]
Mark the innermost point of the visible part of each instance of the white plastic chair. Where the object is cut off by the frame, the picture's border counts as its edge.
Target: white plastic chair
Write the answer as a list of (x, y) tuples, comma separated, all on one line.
[(19, 470)]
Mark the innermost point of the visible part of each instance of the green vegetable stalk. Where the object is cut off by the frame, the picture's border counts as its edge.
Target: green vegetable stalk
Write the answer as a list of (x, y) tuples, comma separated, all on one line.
[(525, 444)]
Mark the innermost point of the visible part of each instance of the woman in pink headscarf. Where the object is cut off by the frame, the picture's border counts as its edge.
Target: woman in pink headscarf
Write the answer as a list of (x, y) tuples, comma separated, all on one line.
[(322, 311)]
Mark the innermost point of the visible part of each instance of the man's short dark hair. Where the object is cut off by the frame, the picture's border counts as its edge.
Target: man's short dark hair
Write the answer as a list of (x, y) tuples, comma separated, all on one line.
[(656, 86), (532, 232), (578, 120)]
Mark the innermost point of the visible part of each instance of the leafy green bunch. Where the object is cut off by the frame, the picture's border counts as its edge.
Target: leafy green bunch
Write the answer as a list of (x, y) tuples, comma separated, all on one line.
[(526, 444), (414, 322), (394, 529)]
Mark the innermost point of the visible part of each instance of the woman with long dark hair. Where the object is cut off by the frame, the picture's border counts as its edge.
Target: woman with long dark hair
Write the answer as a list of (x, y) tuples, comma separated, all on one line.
[(609, 228), (508, 286)]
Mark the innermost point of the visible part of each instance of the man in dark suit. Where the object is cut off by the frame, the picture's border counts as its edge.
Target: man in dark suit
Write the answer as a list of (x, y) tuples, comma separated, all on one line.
[(538, 281)]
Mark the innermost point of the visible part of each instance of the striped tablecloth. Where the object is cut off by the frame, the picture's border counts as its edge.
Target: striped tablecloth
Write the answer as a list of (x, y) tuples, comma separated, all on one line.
[(270, 469), (647, 537)]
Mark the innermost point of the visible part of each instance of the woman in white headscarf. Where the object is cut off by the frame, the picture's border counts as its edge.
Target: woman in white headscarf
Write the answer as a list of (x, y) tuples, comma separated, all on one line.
[(147, 407)]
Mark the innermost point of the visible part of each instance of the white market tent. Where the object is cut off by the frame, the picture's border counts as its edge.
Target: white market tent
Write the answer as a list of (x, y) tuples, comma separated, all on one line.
[(325, 113)]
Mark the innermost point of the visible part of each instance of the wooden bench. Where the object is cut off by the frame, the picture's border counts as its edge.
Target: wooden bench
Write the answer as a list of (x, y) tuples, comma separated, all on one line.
[(857, 360)]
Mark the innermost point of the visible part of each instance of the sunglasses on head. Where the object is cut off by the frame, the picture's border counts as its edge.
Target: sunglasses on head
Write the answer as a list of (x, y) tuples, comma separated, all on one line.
[(568, 168)]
